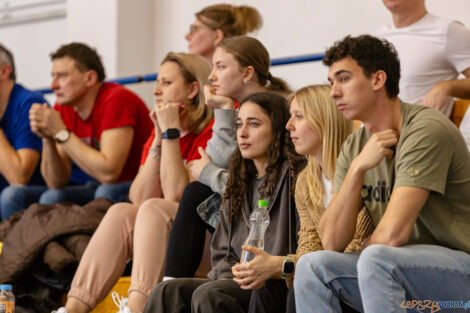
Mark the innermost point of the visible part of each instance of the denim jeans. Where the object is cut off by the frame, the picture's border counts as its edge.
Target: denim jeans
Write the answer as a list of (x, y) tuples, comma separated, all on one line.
[(82, 194), (18, 197), (382, 279)]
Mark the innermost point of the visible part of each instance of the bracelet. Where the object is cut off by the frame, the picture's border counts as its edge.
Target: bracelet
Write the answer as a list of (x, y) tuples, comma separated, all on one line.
[(156, 153)]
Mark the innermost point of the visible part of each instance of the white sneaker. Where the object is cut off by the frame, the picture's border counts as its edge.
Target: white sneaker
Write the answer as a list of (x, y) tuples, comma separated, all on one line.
[(60, 310), (120, 302)]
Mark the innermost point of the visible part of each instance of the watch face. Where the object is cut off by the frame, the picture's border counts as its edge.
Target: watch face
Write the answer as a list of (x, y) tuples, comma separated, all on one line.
[(62, 135), (171, 133), (289, 267)]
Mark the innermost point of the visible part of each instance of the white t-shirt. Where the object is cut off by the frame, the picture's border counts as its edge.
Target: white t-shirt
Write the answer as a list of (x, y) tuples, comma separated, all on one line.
[(465, 128), (431, 50), (328, 190)]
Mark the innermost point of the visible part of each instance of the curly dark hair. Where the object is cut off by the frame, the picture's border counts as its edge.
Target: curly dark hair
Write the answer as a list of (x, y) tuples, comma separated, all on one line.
[(242, 171), (371, 54), (85, 58)]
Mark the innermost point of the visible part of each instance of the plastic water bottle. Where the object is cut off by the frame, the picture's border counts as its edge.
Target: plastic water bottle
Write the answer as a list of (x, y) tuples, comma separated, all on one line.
[(7, 299), (259, 221)]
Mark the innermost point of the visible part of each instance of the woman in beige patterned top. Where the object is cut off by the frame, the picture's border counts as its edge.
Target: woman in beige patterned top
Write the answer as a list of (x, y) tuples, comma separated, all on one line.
[(317, 130)]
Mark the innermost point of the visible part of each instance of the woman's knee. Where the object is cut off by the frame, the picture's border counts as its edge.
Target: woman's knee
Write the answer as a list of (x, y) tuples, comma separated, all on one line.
[(121, 213), (203, 293), (158, 209)]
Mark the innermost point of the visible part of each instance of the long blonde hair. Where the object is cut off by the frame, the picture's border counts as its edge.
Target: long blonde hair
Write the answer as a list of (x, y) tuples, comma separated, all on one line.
[(323, 117), (194, 68)]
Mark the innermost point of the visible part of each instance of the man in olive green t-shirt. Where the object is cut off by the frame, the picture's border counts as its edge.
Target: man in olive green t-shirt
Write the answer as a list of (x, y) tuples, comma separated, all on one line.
[(410, 167)]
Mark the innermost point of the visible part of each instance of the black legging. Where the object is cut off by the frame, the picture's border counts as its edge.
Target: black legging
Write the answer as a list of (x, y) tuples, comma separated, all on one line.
[(188, 234)]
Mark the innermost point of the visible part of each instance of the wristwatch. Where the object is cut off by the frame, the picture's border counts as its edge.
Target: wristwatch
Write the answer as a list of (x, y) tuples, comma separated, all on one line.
[(62, 136), (288, 267), (171, 133)]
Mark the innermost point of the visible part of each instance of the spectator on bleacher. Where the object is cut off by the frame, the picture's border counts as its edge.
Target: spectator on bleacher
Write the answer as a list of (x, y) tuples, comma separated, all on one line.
[(240, 68), (139, 231), (263, 167), (317, 130), (20, 149), (410, 167), (433, 52), (93, 137), (217, 22)]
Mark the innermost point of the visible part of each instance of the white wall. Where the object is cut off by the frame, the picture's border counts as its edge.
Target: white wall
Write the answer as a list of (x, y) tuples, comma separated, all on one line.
[(298, 27), (133, 36)]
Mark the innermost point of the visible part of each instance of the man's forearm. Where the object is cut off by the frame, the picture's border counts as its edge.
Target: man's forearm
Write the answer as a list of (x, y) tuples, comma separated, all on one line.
[(459, 88), (338, 222), (90, 160), (55, 171), (107, 163), (12, 166)]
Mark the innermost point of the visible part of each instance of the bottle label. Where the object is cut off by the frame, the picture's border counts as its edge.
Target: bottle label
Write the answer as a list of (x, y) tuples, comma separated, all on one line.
[(7, 306)]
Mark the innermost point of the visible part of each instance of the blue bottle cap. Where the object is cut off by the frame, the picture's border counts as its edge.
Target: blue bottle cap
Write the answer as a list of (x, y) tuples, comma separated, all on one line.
[(5, 287)]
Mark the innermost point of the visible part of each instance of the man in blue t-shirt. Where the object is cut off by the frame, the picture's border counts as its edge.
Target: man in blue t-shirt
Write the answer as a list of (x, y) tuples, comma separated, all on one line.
[(20, 149)]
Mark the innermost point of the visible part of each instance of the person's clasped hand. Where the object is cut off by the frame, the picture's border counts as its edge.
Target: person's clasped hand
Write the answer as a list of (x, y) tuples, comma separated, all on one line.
[(45, 121), (195, 166), (167, 114)]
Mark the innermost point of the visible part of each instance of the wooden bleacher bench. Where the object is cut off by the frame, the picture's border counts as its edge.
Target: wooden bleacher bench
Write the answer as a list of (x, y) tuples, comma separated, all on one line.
[(460, 107)]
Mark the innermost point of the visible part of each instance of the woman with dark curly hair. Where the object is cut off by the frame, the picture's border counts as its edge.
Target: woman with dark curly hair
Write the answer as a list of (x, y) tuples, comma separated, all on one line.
[(264, 166)]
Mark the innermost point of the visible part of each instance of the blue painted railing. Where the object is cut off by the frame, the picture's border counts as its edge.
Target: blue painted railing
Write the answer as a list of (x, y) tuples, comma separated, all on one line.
[(153, 77)]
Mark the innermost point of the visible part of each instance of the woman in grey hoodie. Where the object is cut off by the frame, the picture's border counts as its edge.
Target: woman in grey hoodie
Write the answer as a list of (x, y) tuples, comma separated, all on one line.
[(264, 166)]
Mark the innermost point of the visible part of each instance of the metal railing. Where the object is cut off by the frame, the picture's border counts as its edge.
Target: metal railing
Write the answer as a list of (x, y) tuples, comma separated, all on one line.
[(152, 77)]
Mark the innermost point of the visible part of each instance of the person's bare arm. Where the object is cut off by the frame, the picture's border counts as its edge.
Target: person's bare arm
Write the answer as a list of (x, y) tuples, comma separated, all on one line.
[(107, 163), (55, 164), (395, 227), (173, 174), (16, 166), (147, 183), (56, 167), (439, 95), (338, 224)]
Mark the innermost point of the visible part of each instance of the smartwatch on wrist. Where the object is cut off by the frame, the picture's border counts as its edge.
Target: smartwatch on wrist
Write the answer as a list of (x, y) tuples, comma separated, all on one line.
[(288, 267), (62, 136), (171, 133)]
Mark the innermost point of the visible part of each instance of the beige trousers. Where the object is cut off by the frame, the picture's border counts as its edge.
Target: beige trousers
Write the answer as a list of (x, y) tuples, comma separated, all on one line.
[(126, 232)]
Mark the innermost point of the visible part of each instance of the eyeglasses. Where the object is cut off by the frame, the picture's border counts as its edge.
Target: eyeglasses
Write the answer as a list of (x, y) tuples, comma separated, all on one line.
[(195, 28)]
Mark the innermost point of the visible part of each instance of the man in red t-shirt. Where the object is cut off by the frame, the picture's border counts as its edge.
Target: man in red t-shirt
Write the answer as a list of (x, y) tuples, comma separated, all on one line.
[(93, 137)]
